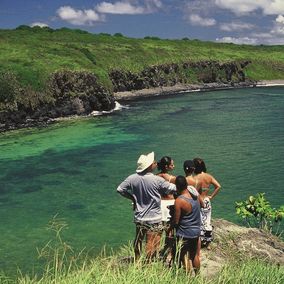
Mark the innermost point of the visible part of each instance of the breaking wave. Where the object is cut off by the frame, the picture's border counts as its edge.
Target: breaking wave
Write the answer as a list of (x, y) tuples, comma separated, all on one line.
[(117, 107)]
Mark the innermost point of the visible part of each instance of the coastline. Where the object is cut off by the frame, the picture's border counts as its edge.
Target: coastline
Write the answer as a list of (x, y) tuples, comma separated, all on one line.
[(190, 88), (121, 97)]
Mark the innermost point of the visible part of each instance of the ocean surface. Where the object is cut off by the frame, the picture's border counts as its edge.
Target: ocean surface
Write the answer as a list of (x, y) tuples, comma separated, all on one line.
[(71, 169)]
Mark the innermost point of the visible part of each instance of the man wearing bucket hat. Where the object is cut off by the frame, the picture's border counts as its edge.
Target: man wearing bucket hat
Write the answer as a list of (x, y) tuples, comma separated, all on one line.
[(145, 189)]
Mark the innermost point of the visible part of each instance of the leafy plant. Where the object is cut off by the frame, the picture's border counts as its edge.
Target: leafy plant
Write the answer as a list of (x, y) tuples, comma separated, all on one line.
[(257, 212)]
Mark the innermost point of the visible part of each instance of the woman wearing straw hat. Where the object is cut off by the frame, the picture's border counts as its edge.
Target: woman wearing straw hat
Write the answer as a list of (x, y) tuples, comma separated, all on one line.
[(145, 189)]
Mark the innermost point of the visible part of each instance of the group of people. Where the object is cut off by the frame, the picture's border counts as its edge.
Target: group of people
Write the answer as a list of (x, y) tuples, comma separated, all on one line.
[(180, 206)]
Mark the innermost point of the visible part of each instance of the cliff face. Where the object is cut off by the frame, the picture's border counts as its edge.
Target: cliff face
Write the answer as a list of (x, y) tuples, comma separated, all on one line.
[(79, 93), (68, 93), (185, 73)]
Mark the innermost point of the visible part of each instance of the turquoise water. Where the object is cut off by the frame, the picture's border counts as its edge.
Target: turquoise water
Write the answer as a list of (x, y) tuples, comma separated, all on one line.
[(72, 168)]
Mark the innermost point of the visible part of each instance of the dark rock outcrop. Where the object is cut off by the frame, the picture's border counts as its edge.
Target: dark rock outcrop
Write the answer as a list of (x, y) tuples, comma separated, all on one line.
[(165, 75), (69, 93), (79, 93)]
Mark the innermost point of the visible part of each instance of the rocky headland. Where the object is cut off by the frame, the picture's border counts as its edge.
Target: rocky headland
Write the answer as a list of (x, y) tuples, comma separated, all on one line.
[(71, 93)]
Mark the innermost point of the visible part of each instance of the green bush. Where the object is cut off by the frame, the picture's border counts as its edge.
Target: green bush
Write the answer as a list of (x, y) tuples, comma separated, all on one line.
[(9, 87), (152, 37), (118, 35), (257, 212), (10, 90)]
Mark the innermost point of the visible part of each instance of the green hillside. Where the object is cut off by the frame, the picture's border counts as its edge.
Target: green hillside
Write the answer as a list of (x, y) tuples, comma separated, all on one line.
[(32, 54), (46, 73)]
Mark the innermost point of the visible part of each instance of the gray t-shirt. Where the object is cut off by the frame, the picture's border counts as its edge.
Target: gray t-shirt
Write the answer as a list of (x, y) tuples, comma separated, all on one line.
[(146, 190)]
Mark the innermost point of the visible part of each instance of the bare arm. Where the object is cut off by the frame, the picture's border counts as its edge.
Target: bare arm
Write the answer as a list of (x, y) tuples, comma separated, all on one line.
[(201, 201), (122, 189), (177, 212), (168, 177), (198, 185), (217, 187)]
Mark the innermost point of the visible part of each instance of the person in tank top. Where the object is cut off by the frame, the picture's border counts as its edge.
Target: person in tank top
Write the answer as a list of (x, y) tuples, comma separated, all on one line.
[(187, 222)]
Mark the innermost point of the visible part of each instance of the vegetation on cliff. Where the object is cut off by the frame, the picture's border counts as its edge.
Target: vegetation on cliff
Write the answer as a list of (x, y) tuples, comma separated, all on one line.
[(34, 53), (31, 58)]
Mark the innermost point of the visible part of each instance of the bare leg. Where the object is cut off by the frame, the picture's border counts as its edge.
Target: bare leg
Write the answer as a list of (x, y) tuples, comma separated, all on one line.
[(187, 263), (140, 234), (167, 251), (195, 257), (152, 244)]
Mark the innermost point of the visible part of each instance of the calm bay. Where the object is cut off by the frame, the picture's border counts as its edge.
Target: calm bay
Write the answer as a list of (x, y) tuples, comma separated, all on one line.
[(72, 168)]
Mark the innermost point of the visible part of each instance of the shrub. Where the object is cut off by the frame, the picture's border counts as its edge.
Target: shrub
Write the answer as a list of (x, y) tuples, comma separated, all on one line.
[(118, 35), (104, 34), (24, 28), (152, 37), (9, 87), (257, 212), (10, 90)]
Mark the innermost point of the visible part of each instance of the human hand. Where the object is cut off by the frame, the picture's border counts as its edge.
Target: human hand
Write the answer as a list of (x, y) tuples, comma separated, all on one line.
[(133, 206)]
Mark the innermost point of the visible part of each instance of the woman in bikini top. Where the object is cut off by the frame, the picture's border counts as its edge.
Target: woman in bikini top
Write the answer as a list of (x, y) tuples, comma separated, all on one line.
[(205, 179), (188, 167)]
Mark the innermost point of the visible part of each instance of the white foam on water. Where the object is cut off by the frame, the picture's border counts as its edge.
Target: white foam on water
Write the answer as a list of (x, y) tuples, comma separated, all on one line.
[(117, 107)]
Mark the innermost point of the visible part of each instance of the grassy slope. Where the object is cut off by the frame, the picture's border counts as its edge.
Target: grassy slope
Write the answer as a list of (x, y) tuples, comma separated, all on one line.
[(34, 53), (113, 270)]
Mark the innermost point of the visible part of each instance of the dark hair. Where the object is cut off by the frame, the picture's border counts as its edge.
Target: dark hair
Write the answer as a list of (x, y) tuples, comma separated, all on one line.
[(163, 163), (188, 166), (199, 166), (181, 183)]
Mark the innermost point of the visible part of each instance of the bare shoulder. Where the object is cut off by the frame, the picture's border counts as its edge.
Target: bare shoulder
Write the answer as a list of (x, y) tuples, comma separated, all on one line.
[(163, 175), (179, 202), (190, 180), (207, 177)]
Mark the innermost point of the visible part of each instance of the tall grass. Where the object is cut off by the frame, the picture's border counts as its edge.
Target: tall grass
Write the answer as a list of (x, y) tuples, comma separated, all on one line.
[(64, 266), (250, 271), (115, 269)]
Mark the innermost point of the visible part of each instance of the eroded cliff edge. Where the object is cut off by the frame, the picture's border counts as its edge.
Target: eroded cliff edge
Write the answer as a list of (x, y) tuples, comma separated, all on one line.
[(79, 93), (237, 242)]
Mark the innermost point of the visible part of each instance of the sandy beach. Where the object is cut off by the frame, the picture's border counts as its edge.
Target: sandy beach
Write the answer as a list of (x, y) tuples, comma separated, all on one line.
[(182, 88), (267, 83)]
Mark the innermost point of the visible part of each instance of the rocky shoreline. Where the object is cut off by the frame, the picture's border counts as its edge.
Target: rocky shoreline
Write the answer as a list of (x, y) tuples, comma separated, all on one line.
[(187, 88), (43, 121)]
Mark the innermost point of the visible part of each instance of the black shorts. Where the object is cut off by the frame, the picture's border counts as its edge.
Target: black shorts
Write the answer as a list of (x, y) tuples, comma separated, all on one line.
[(186, 246)]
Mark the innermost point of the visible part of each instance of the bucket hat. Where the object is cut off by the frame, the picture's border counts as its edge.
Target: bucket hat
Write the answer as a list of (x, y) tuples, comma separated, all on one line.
[(144, 162)]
